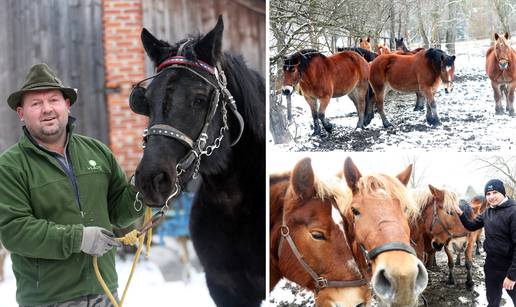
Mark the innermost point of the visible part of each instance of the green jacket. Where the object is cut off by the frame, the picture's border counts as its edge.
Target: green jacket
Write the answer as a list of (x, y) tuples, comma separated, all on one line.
[(42, 219)]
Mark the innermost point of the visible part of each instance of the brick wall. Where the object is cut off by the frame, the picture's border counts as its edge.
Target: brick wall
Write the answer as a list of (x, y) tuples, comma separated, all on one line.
[(124, 64)]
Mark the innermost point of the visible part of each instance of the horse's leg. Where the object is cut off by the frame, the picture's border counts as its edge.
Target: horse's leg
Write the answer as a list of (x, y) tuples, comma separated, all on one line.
[(469, 257), (477, 242), (358, 96), (420, 102), (497, 98), (431, 108), (369, 106), (324, 101), (510, 100), (379, 92), (451, 277), (313, 107)]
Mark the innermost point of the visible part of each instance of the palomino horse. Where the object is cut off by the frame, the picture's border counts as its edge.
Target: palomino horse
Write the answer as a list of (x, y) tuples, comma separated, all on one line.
[(308, 245), (382, 49), (365, 43), (197, 104), (324, 77), (420, 73), (501, 70), (437, 224), (380, 208)]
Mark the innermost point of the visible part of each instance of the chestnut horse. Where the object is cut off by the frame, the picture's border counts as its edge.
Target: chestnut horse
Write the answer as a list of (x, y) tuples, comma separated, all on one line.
[(365, 43), (382, 49), (420, 73), (324, 77), (501, 70), (308, 244), (466, 244), (437, 224), (381, 208)]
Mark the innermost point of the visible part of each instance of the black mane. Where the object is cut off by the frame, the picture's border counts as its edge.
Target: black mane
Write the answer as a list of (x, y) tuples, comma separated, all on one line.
[(366, 54), (435, 55), (301, 57)]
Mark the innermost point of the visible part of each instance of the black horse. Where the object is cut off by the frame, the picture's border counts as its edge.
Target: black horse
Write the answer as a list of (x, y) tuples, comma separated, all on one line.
[(196, 126)]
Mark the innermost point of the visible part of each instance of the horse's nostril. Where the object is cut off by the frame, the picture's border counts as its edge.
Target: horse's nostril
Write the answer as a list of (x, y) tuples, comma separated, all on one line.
[(421, 278), (161, 182), (382, 285)]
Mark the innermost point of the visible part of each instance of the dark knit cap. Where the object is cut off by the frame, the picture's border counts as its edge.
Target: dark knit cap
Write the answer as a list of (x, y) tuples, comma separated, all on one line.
[(494, 185)]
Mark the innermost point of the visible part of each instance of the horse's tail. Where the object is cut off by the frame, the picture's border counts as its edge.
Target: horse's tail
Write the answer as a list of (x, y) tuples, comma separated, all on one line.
[(369, 105)]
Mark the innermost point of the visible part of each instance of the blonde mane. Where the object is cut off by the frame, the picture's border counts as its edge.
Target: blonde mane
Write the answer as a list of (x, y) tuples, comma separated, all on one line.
[(330, 189), (424, 197), (371, 184), (502, 41)]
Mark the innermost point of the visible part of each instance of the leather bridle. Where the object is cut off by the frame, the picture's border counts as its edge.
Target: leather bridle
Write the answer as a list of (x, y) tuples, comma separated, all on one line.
[(437, 220), (319, 281), (215, 77)]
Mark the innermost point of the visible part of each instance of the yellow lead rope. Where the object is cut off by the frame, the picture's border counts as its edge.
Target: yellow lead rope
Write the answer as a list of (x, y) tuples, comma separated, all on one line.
[(129, 239)]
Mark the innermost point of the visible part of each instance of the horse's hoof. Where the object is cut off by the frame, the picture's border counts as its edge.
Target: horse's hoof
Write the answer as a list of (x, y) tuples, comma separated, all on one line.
[(434, 122), (329, 128), (419, 108), (469, 285), (499, 111)]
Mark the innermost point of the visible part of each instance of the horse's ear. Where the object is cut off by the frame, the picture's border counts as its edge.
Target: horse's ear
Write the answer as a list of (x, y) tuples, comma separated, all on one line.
[(302, 179), (506, 35), (496, 36), (368, 39), (401, 40), (404, 176), (352, 174), (439, 194), (153, 46), (360, 40), (209, 48)]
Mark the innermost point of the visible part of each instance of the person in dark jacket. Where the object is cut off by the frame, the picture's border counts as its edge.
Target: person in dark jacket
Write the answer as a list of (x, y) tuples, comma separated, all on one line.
[(60, 194), (499, 222)]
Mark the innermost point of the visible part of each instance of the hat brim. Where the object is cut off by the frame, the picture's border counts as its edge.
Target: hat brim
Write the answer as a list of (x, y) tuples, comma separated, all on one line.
[(14, 100)]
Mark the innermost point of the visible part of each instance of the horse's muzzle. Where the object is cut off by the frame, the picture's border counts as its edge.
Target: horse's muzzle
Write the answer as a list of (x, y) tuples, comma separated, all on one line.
[(437, 246), (503, 65), (287, 90)]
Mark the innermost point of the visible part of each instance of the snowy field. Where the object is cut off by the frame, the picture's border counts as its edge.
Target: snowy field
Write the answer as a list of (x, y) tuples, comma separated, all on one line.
[(159, 281), (467, 114)]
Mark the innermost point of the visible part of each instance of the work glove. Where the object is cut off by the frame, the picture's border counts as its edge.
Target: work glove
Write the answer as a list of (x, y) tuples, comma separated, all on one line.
[(97, 241)]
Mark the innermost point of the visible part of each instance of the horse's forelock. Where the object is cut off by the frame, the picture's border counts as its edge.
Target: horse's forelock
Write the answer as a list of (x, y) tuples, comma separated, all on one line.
[(424, 197), (381, 184)]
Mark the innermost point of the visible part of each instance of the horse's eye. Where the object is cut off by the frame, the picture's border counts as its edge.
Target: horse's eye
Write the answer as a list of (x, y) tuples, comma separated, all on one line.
[(317, 235), (200, 100), (355, 211)]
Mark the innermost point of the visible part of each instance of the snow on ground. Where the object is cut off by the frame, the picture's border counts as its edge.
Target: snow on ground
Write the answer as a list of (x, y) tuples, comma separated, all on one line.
[(149, 286), (467, 114)]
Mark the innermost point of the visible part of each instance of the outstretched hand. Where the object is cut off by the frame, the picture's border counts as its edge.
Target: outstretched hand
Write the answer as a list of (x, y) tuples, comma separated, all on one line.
[(508, 284)]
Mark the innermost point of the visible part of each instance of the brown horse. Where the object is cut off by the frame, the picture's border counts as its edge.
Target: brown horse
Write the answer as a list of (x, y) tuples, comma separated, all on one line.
[(501, 70), (308, 244), (437, 224), (382, 49), (420, 73), (324, 77), (466, 244), (365, 43), (380, 208)]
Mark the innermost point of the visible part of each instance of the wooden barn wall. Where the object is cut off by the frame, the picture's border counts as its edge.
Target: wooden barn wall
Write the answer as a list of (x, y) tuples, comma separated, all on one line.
[(244, 24), (67, 35)]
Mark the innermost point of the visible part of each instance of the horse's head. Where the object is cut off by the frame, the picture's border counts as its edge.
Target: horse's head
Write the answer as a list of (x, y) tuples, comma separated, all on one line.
[(382, 49), (365, 43), (400, 44), (189, 108), (312, 222), (447, 72), (381, 209), (502, 50), (291, 72), (441, 220)]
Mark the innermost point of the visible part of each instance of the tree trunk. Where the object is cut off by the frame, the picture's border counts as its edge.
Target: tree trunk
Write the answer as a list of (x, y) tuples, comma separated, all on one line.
[(451, 30), (421, 25), (277, 120), (392, 16)]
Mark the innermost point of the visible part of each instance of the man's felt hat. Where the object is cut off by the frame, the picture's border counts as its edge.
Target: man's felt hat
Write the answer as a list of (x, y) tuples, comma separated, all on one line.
[(41, 77)]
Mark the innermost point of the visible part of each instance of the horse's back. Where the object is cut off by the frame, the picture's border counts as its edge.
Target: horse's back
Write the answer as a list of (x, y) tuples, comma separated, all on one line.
[(396, 70)]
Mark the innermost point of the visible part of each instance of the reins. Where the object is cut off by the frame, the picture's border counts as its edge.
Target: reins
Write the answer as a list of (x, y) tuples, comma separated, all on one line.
[(132, 238)]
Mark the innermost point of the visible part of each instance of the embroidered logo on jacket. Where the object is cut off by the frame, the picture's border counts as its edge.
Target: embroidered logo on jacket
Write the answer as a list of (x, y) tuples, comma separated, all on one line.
[(93, 166)]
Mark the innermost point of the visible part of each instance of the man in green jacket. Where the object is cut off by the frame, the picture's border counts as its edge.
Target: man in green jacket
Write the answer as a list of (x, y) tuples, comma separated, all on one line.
[(60, 194)]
